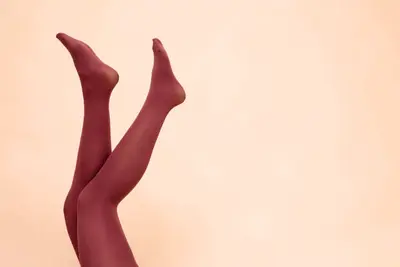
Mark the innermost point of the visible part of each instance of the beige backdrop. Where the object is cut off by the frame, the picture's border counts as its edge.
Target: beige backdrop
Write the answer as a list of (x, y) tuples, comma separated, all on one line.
[(286, 152)]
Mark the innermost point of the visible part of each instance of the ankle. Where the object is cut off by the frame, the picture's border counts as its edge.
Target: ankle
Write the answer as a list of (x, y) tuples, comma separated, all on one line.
[(157, 106), (96, 99)]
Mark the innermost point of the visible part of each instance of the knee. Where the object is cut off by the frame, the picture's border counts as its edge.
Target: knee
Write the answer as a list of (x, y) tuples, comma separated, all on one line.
[(91, 198), (70, 203), (87, 198)]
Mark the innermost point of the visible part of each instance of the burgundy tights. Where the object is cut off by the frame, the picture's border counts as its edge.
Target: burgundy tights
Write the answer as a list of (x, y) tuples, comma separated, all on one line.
[(103, 178)]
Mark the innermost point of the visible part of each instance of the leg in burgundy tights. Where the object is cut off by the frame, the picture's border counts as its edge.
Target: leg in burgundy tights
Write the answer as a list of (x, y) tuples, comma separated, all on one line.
[(97, 80), (101, 239)]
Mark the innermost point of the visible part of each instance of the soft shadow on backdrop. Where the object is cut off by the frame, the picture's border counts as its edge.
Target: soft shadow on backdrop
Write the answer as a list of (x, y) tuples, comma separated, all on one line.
[(285, 153)]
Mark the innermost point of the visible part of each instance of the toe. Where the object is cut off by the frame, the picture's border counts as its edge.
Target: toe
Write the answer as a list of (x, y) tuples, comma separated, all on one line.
[(158, 46), (69, 42), (160, 54), (77, 48)]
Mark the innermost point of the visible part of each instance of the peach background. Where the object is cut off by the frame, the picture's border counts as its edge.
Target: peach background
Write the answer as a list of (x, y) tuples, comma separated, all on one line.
[(285, 154)]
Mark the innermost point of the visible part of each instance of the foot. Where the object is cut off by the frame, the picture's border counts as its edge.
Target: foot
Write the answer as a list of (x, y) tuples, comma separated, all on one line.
[(97, 78), (165, 89)]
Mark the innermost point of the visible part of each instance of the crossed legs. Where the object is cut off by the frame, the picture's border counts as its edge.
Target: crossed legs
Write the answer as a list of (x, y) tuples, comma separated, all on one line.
[(102, 179)]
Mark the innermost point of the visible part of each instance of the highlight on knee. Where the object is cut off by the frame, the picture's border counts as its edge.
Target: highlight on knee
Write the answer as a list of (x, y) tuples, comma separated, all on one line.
[(92, 196)]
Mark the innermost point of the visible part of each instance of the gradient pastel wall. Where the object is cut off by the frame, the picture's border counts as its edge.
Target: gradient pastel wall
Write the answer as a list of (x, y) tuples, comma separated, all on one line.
[(286, 152)]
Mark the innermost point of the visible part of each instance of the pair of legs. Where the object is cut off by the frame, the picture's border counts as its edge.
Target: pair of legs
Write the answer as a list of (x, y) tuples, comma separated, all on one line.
[(103, 178)]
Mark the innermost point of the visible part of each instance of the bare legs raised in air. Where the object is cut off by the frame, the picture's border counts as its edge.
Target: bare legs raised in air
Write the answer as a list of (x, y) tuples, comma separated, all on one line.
[(102, 179)]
